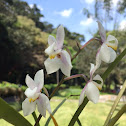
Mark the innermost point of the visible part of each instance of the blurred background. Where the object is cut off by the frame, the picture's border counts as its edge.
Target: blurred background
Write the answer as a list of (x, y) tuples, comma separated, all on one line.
[(24, 29)]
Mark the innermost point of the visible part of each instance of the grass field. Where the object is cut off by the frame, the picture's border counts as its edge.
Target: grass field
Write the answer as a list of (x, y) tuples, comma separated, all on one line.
[(92, 115)]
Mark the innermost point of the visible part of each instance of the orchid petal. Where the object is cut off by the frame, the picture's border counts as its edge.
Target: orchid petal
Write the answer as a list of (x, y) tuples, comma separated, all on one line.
[(102, 32), (105, 53), (98, 77), (92, 92), (39, 79), (30, 93), (112, 42), (52, 65), (43, 104), (112, 55), (48, 107), (28, 107), (51, 40), (98, 60), (66, 65), (30, 82), (92, 69), (60, 37), (82, 95), (50, 50)]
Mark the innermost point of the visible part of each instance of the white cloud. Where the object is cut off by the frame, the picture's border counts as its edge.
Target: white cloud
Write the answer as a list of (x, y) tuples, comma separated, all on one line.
[(115, 2), (39, 7), (86, 22), (122, 25), (65, 13), (31, 5), (87, 1)]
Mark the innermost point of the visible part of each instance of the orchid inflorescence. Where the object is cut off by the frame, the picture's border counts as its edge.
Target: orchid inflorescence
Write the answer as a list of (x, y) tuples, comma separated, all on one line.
[(60, 59)]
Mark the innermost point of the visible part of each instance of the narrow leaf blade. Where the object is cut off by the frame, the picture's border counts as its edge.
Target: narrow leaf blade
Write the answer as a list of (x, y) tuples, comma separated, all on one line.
[(47, 122), (79, 122), (11, 115)]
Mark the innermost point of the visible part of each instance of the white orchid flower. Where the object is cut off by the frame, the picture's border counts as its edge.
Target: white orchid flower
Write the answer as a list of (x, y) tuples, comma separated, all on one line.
[(107, 53), (91, 89), (58, 58), (34, 95)]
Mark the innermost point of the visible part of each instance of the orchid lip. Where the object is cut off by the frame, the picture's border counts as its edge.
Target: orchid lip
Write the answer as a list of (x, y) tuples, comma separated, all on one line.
[(113, 47)]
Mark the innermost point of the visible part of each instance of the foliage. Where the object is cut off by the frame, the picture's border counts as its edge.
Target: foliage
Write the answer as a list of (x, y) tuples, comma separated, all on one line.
[(87, 117), (5, 84), (15, 118)]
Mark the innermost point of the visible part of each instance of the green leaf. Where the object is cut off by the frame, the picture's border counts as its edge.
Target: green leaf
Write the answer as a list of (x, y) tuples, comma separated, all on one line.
[(78, 112), (79, 122), (11, 115), (47, 122), (117, 116), (35, 117)]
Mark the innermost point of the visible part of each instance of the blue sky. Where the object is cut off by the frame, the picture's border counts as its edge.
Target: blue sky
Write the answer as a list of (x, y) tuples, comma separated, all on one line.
[(69, 14)]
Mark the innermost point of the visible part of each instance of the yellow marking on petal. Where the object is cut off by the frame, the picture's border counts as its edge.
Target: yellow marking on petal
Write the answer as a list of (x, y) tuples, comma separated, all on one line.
[(99, 88), (113, 47), (30, 100), (52, 56)]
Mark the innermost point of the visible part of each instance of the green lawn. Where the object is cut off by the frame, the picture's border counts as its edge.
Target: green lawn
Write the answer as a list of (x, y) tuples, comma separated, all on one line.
[(93, 115)]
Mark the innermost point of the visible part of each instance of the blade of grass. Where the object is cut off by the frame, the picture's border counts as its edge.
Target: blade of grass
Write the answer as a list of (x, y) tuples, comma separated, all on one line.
[(115, 104)]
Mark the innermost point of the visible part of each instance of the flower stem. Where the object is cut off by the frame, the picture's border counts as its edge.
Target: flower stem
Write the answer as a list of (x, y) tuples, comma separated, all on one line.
[(117, 116), (57, 76), (35, 118), (115, 104), (75, 76), (38, 119), (84, 47), (58, 86)]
